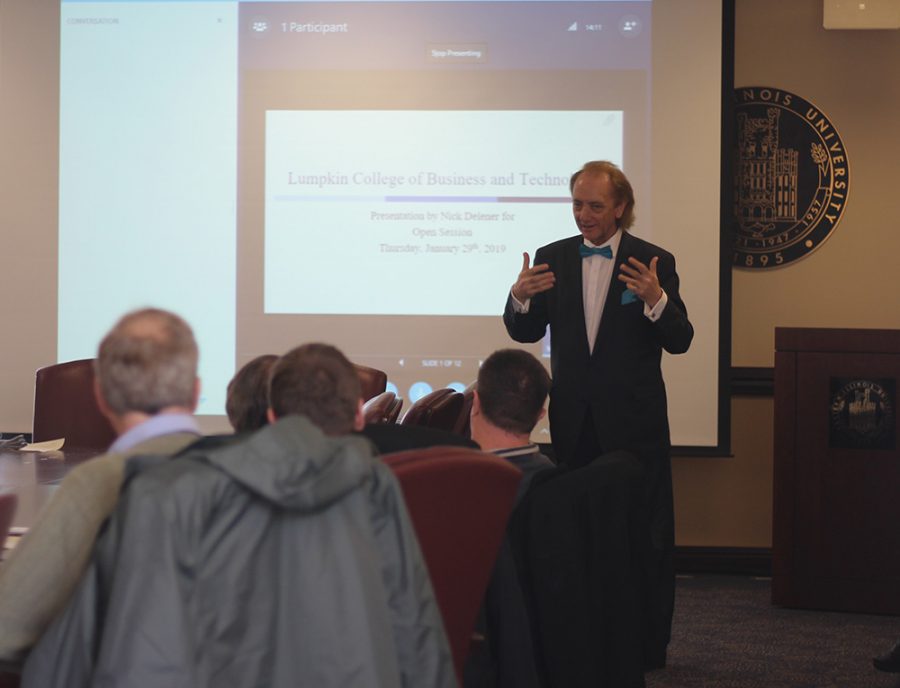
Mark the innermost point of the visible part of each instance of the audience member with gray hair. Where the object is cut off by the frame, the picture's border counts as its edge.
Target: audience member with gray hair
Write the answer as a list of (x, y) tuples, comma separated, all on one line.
[(147, 386)]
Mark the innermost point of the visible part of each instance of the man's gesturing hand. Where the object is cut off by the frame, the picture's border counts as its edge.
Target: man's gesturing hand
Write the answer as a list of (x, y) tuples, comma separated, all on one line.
[(642, 280), (532, 280)]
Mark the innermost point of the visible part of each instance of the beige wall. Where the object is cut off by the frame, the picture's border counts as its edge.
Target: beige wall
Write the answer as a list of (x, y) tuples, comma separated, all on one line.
[(29, 142), (728, 502), (853, 77)]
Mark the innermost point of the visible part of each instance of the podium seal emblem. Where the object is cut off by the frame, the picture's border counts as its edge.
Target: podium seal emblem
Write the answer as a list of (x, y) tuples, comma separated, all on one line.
[(862, 414), (791, 178)]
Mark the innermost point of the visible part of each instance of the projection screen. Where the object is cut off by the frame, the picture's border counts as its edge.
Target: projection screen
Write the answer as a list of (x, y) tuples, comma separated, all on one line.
[(370, 173)]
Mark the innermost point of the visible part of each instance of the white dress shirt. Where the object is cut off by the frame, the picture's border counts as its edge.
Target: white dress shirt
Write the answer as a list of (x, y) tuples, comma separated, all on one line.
[(596, 275)]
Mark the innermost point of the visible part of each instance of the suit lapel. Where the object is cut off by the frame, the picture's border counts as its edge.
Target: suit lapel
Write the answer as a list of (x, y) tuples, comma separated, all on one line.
[(570, 264), (611, 308)]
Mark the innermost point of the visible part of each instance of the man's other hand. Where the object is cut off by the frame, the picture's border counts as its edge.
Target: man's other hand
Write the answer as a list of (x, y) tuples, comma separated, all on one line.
[(532, 280)]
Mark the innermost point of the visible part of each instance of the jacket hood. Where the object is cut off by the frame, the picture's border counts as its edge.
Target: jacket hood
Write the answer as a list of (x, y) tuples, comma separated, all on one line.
[(295, 465)]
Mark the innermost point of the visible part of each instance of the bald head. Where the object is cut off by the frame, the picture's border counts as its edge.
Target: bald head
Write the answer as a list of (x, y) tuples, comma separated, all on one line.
[(148, 362)]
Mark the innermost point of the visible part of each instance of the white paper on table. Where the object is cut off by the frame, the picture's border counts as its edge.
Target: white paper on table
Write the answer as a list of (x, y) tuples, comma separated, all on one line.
[(49, 445)]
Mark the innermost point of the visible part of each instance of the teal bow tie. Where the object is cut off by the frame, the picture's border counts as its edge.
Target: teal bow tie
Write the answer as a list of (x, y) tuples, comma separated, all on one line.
[(586, 251)]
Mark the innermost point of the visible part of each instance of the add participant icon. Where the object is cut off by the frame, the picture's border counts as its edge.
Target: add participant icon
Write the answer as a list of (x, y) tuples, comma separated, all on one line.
[(630, 25)]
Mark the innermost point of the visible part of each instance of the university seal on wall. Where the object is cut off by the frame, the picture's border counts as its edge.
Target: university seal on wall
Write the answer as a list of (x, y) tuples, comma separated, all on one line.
[(791, 177), (862, 414)]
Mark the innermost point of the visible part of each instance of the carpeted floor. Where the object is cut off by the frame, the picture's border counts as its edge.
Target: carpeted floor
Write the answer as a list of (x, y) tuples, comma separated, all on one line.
[(727, 634)]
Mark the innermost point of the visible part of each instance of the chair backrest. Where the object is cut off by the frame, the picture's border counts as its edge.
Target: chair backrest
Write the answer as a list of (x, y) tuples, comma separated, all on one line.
[(378, 409), (393, 413), (438, 409), (459, 500), (462, 423), (64, 406), (372, 381)]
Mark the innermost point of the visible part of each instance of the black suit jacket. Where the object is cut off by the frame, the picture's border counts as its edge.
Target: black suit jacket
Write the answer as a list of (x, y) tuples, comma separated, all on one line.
[(580, 547), (620, 383)]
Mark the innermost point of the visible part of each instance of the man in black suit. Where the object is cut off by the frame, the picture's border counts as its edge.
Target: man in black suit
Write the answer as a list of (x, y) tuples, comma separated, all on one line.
[(612, 303)]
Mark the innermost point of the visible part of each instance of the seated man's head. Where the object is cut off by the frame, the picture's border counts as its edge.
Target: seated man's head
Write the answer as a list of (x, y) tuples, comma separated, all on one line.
[(317, 381), (248, 394), (146, 364), (510, 392)]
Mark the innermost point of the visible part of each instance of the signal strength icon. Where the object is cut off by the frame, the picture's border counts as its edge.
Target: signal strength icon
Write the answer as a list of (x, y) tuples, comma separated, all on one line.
[(573, 26)]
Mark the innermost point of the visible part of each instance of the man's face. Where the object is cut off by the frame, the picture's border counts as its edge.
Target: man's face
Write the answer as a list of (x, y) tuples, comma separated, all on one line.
[(595, 207)]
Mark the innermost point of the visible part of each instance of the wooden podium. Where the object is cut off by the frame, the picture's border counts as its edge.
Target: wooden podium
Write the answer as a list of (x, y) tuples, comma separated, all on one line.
[(836, 521)]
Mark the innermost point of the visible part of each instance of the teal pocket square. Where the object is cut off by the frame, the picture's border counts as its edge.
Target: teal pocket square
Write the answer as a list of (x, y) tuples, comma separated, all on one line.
[(628, 296)]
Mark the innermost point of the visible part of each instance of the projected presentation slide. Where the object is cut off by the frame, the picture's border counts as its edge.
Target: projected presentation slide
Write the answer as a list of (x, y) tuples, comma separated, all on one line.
[(391, 179), (399, 199)]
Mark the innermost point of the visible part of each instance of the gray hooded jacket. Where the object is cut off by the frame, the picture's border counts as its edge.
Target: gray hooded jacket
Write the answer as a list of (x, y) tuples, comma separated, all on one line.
[(284, 560)]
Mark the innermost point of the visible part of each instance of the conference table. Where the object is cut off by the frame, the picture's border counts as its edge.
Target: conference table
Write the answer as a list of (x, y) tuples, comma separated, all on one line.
[(33, 476)]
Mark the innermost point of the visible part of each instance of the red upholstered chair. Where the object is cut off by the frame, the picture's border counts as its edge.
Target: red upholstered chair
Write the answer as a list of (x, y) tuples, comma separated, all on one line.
[(459, 500), (372, 381), (64, 406), (382, 408), (438, 409), (393, 413)]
